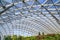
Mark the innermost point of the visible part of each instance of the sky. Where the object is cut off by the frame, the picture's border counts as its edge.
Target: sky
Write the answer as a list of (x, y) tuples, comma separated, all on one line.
[(22, 32)]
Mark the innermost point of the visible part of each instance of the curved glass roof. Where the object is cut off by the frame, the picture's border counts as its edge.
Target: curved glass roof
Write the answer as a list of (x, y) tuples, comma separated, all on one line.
[(28, 17)]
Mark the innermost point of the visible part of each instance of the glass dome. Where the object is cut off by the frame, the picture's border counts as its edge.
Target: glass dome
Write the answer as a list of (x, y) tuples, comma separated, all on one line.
[(28, 17)]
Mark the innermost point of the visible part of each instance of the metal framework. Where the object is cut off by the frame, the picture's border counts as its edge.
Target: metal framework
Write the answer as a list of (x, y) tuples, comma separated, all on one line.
[(28, 17)]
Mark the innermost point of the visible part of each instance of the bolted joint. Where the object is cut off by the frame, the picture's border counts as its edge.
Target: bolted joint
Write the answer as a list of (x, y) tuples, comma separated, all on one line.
[(35, 0), (23, 1), (42, 6)]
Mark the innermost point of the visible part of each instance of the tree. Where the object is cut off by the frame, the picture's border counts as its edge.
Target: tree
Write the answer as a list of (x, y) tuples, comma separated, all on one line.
[(20, 38), (7, 38), (14, 37)]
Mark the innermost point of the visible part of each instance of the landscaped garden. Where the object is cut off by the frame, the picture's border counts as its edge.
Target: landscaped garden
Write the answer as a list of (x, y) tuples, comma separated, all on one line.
[(38, 37)]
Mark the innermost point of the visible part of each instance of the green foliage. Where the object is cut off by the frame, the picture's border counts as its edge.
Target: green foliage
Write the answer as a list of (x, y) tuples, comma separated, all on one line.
[(14, 37), (7, 38), (20, 38), (46, 37)]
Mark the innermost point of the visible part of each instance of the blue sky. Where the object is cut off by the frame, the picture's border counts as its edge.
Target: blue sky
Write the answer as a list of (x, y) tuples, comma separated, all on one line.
[(22, 32)]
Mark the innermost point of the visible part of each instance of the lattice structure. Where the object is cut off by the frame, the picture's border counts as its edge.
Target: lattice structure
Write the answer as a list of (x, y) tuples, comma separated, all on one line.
[(28, 17)]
